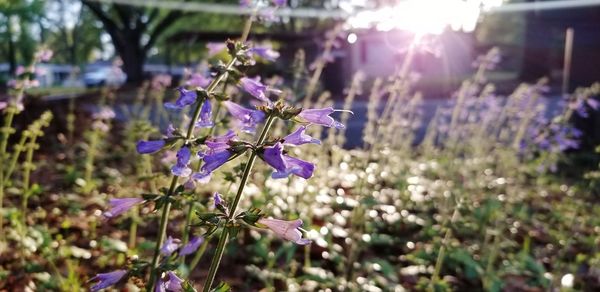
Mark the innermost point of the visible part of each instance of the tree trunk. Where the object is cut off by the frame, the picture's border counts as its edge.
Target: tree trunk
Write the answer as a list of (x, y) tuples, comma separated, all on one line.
[(133, 62)]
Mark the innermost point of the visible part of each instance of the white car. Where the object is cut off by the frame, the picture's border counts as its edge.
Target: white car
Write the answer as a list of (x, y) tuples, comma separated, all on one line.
[(100, 76)]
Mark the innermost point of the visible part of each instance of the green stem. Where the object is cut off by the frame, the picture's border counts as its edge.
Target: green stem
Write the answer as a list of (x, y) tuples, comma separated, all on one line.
[(162, 232), (216, 260), (135, 218), (190, 210), (6, 131), (90, 158), (442, 252), (165, 214), (18, 149), (167, 206), (27, 167)]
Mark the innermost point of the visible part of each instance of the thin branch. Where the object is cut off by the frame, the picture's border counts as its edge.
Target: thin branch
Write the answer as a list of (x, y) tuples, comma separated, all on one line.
[(124, 13), (110, 25)]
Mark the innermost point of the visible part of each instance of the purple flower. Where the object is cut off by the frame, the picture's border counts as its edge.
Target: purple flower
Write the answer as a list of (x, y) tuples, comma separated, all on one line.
[(255, 88), (594, 104), (106, 280), (205, 116), (295, 166), (161, 81), (265, 52), (186, 97), (299, 137), (219, 143), (105, 113), (248, 118), (148, 147), (190, 184), (211, 163), (43, 55), (171, 131), (218, 199), (169, 246), (172, 284), (214, 48), (198, 80), (120, 206), (320, 117), (183, 160), (273, 155), (288, 230), (192, 246), (279, 2), (581, 109)]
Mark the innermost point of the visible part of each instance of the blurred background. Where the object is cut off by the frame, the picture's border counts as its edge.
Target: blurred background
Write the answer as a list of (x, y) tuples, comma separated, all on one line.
[(470, 162), (170, 37)]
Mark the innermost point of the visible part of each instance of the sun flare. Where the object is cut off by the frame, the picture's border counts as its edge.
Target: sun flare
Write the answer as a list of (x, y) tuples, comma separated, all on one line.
[(424, 16)]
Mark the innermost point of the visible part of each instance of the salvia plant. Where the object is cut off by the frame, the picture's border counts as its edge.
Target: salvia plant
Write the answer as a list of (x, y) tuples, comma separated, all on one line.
[(214, 151), (27, 142)]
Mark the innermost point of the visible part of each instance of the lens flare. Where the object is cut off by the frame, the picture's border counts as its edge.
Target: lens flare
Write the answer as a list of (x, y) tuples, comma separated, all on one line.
[(424, 16)]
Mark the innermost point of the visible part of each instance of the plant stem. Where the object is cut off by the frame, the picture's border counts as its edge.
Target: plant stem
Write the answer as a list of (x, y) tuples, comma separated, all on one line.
[(165, 214), (6, 131), (320, 65), (162, 232), (90, 158), (442, 252), (216, 260)]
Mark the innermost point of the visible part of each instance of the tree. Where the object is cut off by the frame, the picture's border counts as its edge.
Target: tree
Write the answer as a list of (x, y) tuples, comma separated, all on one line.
[(74, 32), (134, 31), (15, 17)]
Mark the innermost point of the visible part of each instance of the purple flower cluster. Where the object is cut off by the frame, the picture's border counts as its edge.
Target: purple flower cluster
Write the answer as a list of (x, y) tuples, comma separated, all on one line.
[(215, 151)]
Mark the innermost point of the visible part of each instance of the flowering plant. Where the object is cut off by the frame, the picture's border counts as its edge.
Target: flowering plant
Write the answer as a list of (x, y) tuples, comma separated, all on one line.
[(213, 151)]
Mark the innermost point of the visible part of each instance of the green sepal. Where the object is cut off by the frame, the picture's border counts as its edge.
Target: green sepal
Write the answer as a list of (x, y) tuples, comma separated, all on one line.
[(180, 189), (150, 197), (222, 287), (251, 216), (202, 94), (187, 287), (209, 218)]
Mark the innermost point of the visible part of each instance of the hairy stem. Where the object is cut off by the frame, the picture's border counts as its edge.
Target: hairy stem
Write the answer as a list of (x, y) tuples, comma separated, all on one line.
[(216, 260), (167, 206), (442, 252)]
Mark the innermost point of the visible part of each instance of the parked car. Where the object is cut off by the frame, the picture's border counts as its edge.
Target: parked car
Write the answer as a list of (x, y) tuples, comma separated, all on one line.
[(105, 75)]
